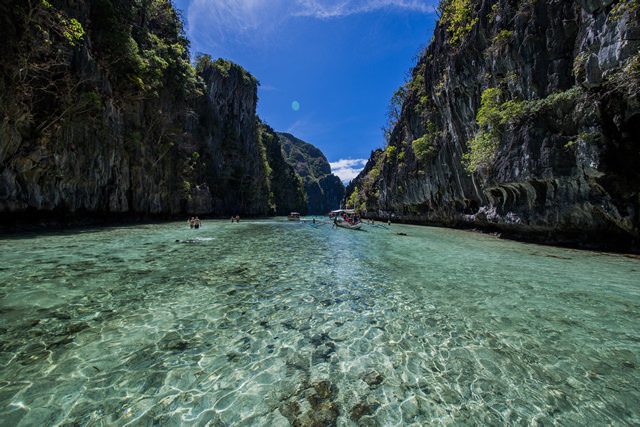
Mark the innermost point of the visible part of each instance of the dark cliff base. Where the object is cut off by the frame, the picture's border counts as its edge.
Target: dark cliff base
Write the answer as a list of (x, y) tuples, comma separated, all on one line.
[(576, 239), (35, 221)]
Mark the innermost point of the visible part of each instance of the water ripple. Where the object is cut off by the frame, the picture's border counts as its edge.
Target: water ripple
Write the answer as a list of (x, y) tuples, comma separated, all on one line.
[(274, 323)]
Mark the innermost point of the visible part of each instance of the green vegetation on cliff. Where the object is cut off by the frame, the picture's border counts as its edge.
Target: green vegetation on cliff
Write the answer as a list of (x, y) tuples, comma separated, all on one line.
[(496, 114), (517, 117), (423, 147), (365, 190), (458, 18), (324, 190), (102, 114), (491, 119), (204, 60), (287, 191), (143, 44)]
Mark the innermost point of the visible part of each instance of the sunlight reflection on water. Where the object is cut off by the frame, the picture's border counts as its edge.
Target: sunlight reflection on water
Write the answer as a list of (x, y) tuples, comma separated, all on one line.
[(270, 322)]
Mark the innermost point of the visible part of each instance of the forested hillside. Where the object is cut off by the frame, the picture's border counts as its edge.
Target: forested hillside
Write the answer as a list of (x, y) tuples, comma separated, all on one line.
[(103, 116), (324, 190)]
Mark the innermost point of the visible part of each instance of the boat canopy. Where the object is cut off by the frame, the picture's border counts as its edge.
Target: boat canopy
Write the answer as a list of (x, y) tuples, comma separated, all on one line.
[(347, 211)]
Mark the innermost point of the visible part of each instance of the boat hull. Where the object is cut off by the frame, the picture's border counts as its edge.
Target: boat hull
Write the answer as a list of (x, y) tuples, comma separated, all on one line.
[(349, 226)]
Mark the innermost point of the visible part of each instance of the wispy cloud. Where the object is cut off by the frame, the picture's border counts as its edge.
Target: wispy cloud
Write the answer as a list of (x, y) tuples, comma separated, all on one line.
[(243, 20), (268, 88), (298, 128), (347, 169), (337, 8)]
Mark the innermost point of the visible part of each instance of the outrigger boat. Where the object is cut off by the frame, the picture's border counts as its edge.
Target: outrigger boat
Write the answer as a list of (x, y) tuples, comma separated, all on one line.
[(294, 216), (341, 213), (345, 224), (343, 218)]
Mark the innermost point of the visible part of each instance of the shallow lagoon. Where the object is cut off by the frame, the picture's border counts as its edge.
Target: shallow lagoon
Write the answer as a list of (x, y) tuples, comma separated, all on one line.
[(271, 322)]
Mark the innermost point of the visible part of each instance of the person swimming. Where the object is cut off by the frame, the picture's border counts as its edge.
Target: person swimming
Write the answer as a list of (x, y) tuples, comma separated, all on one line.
[(188, 241)]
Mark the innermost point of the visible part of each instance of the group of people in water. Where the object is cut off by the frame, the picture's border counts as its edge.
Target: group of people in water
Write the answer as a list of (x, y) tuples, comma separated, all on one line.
[(194, 222)]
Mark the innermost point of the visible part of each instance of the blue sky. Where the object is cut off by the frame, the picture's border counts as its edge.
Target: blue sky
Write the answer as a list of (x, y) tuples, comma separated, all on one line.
[(327, 68)]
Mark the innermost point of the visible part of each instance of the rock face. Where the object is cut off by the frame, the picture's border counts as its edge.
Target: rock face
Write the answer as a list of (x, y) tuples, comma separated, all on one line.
[(102, 116), (234, 158), (324, 189), (289, 189), (524, 122)]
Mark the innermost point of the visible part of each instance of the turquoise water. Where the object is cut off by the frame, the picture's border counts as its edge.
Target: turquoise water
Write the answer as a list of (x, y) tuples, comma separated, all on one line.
[(276, 323)]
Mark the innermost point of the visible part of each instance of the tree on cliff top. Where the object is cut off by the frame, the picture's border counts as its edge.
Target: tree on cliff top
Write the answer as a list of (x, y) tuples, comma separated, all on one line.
[(144, 47), (394, 110), (35, 62)]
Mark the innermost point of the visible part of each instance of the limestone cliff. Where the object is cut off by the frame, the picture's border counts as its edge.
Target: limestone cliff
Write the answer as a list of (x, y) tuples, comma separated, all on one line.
[(324, 190), (520, 117), (291, 195), (227, 140), (102, 116)]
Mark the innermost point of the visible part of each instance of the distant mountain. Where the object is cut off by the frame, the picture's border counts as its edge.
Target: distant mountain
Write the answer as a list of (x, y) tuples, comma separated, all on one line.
[(287, 187), (324, 189)]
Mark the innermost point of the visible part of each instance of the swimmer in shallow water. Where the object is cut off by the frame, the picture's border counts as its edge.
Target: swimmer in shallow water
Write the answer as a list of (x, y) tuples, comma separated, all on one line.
[(196, 240)]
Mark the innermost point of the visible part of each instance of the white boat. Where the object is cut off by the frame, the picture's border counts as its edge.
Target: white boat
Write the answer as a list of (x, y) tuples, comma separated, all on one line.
[(294, 216), (342, 218), (345, 224), (339, 213)]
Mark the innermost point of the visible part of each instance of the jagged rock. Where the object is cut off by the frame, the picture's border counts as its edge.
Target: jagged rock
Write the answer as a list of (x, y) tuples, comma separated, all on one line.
[(565, 169), (289, 192), (86, 133), (594, 5), (324, 190), (593, 74)]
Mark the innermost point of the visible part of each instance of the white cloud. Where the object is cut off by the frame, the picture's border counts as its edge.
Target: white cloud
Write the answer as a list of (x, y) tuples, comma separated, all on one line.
[(252, 20), (347, 169), (336, 8), (219, 20)]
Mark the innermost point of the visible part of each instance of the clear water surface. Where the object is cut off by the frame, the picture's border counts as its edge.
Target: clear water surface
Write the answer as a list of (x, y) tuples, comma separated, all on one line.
[(276, 323)]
